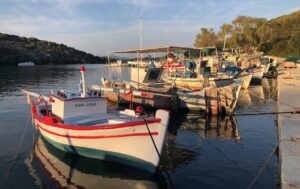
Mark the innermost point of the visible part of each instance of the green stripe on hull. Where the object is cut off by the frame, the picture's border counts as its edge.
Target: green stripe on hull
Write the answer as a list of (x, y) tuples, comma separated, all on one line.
[(104, 155)]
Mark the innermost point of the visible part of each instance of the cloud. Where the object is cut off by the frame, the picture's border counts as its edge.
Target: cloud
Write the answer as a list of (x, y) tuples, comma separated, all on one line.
[(99, 26)]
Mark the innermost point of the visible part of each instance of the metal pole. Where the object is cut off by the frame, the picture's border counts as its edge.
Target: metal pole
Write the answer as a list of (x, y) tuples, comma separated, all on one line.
[(108, 62), (138, 69)]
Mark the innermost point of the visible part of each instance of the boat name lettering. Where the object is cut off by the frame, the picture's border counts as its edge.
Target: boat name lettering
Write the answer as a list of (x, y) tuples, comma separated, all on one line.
[(87, 104)]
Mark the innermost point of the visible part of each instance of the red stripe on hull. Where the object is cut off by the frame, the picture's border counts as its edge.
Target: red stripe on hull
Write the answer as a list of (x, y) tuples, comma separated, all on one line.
[(98, 137), (47, 120)]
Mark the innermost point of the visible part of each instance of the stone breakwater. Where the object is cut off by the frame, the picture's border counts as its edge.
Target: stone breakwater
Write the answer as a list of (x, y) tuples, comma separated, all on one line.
[(289, 127)]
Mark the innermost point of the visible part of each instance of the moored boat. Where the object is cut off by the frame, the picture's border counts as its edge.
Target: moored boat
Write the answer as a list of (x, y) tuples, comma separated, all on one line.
[(246, 78), (81, 124), (187, 83), (26, 64), (212, 100), (146, 89), (257, 73)]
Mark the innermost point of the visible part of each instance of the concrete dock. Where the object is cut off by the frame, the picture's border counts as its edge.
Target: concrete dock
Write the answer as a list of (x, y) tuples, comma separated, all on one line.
[(289, 127)]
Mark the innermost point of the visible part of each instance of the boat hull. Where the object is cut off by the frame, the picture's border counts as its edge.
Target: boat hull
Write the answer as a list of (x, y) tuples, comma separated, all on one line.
[(127, 143), (198, 83), (187, 83), (246, 80), (257, 74), (85, 173), (148, 100), (221, 82), (103, 155), (212, 100)]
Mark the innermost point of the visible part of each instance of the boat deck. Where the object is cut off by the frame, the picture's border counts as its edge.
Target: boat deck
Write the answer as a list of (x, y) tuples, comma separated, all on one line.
[(100, 119)]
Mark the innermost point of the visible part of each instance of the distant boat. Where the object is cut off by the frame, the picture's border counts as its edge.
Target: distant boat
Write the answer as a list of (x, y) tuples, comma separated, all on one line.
[(26, 64)]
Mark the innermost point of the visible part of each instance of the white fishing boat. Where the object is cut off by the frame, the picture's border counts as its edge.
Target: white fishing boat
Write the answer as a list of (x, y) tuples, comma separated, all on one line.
[(26, 64), (81, 124)]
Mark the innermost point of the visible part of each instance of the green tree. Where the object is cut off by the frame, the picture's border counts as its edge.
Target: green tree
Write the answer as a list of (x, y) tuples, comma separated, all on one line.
[(294, 44), (225, 33), (205, 38), (245, 31)]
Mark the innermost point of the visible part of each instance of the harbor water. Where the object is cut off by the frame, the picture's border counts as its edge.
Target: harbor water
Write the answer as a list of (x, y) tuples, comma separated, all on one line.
[(200, 152)]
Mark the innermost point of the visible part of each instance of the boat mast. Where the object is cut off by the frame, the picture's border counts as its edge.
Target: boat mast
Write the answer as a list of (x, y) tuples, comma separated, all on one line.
[(141, 33), (141, 46)]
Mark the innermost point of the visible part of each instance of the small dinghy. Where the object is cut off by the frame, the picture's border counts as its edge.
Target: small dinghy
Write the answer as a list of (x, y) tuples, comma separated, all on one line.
[(81, 124)]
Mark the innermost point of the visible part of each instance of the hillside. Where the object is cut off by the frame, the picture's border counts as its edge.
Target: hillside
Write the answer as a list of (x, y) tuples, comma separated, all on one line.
[(281, 36), (15, 49)]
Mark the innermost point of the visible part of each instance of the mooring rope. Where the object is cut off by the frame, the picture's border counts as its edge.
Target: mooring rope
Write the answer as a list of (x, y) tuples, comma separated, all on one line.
[(16, 157), (157, 151), (263, 167), (255, 95), (265, 113)]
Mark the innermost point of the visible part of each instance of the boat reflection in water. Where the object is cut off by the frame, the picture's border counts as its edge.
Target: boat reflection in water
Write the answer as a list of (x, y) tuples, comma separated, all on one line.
[(50, 166), (177, 154), (212, 126), (244, 99), (257, 94), (225, 127)]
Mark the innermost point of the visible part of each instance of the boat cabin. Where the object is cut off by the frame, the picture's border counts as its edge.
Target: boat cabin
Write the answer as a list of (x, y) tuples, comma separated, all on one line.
[(65, 105)]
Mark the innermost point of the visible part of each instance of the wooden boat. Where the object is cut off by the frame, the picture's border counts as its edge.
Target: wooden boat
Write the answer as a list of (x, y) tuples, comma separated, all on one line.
[(155, 96), (237, 74), (82, 125), (211, 99), (221, 80), (200, 82), (76, 172), (246, 78), (146, 89), (257, 73), (187, 83)]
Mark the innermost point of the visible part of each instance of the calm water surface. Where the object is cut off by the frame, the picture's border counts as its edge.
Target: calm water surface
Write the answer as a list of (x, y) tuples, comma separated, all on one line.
[(200, 152)]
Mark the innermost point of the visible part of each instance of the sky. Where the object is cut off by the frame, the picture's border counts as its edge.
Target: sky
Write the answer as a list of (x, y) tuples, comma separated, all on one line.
[(101, 26)]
